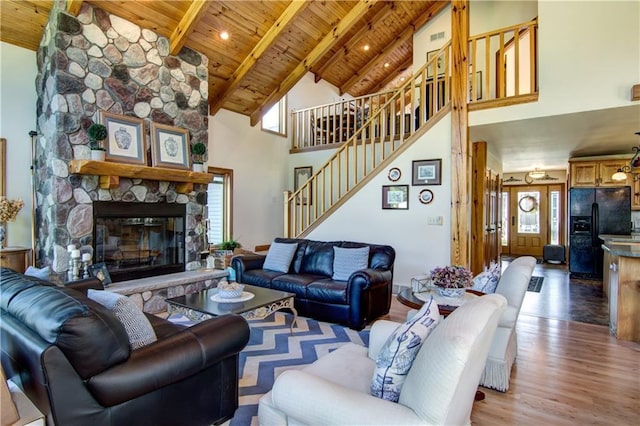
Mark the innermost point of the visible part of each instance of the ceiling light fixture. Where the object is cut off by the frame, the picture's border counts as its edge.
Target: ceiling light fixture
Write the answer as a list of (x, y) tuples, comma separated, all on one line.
[(365, 47), (537, 174), (387, 64), (633, 168), (224, 35)]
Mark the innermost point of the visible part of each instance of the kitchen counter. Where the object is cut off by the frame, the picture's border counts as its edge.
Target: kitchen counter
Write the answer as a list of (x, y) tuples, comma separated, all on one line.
[(622, 249), (622, 286), (633, 238)]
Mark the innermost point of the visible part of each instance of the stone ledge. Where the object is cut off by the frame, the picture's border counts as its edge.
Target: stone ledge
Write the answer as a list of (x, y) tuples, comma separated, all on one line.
[(150, 293), (163, 281)]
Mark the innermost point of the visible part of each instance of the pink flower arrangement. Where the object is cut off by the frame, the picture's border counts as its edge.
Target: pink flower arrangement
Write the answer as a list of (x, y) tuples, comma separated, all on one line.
[(452, 277)]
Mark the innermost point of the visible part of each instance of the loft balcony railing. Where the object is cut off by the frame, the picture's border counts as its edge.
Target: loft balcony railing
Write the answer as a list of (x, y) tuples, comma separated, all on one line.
[(382, 126), (368, 131)]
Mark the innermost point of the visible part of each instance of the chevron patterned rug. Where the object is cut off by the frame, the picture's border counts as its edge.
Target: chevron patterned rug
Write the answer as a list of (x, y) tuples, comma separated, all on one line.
[(272, 350)]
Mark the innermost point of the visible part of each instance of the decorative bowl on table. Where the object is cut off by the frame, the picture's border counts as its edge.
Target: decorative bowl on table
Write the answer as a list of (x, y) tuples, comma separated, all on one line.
[(229, 290), (452, 281)]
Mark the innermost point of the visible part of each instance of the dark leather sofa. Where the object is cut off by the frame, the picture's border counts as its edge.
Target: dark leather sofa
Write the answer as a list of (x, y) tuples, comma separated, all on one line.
[(71, 356), (354, 303)]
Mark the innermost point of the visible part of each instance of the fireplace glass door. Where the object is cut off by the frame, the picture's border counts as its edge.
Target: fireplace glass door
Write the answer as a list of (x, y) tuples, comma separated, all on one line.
[(135, 241)]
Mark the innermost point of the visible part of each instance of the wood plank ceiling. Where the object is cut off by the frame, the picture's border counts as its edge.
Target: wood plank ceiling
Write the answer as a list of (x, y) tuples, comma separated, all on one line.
[(271, 44)]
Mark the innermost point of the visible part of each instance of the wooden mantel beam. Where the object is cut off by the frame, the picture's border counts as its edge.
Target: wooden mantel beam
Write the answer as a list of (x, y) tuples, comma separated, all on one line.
[(460, 188), (321, 49), (265, 43), (186, 25)]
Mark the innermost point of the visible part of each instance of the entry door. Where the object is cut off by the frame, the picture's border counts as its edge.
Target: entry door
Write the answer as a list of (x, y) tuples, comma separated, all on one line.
[(529, 220)]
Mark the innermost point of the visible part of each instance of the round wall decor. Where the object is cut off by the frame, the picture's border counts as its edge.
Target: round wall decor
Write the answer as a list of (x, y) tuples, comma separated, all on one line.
[(426, 196), (394, 174), (528, 204)]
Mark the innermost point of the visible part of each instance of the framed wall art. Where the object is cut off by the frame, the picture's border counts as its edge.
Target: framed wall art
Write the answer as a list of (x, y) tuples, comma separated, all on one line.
[(394, 174), (427, 172), (125, 139), (426, 196), (170, 147), (395, 197), (439, 64), (100, 271), (300, 176)]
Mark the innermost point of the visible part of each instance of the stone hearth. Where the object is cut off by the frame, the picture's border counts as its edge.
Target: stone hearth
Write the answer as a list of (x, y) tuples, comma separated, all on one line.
[(99, 62)]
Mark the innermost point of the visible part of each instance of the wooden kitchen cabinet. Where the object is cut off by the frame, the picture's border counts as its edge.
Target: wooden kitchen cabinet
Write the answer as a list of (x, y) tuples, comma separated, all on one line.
[(623, 262), (596, 173), (635, 195), (16, 258)]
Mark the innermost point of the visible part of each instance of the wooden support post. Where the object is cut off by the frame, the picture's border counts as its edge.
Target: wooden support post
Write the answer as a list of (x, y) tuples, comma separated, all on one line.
[(184, 187), (459, 133), (109, 182)]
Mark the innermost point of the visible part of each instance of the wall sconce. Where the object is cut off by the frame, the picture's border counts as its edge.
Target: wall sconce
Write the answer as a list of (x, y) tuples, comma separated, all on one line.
[(633, 168)]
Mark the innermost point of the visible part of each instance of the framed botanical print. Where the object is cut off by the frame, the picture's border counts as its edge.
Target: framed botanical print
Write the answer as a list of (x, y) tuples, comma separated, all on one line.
[(125, 139), (300, 176), (395, 197), (427, 172)]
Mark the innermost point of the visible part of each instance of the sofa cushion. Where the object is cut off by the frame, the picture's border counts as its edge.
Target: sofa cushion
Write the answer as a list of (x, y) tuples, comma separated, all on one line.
[(293, 283), (88, 334), (318, 258), (134, 321), (279, 257), (294, 268), (328, 290), (380, 257), (397, 354), (346, 261)]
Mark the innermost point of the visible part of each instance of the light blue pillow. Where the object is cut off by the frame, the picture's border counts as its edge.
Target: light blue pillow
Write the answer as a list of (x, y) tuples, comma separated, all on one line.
[(42, 273), (487, 281), (279, 256), (397, 354), (346, 261), (137, 326)]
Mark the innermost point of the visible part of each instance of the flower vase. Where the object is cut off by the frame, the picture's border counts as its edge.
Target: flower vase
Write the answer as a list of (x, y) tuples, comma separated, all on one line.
[(97, 155), (198, 167), (451, 292)]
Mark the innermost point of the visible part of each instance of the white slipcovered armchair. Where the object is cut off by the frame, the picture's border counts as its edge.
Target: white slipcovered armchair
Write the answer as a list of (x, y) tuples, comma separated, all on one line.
[(513, 285), (439, 389)]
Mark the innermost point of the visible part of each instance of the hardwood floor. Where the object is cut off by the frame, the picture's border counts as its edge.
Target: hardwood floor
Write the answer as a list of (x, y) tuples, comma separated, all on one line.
[(566, 372)]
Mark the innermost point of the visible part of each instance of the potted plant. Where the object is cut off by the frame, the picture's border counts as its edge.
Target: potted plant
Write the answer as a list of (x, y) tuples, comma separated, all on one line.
[(229, 246), (97, 134), (198, 150), (452, 281)]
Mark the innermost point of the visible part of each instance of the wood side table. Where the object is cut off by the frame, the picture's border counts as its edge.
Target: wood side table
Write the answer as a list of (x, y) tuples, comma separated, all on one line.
[(16, 258)]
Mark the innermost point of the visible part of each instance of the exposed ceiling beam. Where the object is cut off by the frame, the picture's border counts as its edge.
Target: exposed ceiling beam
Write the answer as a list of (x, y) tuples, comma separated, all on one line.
[(353, 41), (321, 49), (186, 25), (404, 36), (391, 75), (265, 43), (74, 6)]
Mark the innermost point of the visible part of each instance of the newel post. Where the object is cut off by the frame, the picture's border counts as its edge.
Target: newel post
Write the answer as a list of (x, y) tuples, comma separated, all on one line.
[(287, 225)]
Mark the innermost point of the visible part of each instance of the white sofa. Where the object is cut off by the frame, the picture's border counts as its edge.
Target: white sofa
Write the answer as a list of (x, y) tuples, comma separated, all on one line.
[(439, 388), (502, 354)]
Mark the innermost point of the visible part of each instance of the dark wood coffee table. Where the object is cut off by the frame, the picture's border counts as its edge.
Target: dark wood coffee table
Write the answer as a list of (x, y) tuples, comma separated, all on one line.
[(200, 306), (408, 298)]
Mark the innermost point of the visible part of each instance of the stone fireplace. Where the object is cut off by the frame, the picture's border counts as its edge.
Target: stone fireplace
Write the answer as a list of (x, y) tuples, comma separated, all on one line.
[(94, 62)]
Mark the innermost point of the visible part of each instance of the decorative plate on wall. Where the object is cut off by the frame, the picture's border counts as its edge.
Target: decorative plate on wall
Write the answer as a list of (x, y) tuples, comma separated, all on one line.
[(394, 174), (426, 196)]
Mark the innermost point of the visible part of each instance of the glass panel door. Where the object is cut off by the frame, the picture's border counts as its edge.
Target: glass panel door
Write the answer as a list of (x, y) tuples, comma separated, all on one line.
[(528, 220)]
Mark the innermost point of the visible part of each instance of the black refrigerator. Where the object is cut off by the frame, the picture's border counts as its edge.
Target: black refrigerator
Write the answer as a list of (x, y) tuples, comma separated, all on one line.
[(592, 212)]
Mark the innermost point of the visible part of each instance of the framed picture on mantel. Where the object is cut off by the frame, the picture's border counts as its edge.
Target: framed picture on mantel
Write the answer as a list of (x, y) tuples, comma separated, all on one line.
[(125, 139), (169, 147)]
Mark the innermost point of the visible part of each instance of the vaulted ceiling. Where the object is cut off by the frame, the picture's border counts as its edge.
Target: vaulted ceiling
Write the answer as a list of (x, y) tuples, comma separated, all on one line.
[(271, 44)]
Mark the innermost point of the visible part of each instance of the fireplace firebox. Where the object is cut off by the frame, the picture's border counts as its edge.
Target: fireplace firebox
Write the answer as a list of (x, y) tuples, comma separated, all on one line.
[(137, 240)]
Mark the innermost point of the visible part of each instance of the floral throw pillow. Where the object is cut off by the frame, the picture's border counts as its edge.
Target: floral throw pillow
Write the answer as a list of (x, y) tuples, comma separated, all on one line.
[(397, 354)]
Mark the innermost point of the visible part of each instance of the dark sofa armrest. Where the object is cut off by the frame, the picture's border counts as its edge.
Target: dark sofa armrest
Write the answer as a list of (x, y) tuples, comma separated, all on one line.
[(170, 360), (366, 278), (85, 284), (246, 262)]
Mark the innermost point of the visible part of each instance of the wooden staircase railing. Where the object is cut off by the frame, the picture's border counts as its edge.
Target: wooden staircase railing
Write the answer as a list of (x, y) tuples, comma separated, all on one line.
[(369, 131), (388, 121)]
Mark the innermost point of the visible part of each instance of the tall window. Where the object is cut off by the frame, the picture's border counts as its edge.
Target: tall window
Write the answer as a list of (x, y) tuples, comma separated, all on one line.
[(554, 217), (219, 205), (275, 120), (505, 219)]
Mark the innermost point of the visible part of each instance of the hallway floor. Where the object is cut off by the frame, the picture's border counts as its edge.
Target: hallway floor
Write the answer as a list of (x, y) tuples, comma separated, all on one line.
[(564, 298)]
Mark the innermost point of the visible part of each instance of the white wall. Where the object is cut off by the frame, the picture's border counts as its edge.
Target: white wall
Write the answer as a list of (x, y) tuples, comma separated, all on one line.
[(422, 43), (419, 247), (262, 166), (588, 59), (17, 119)]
